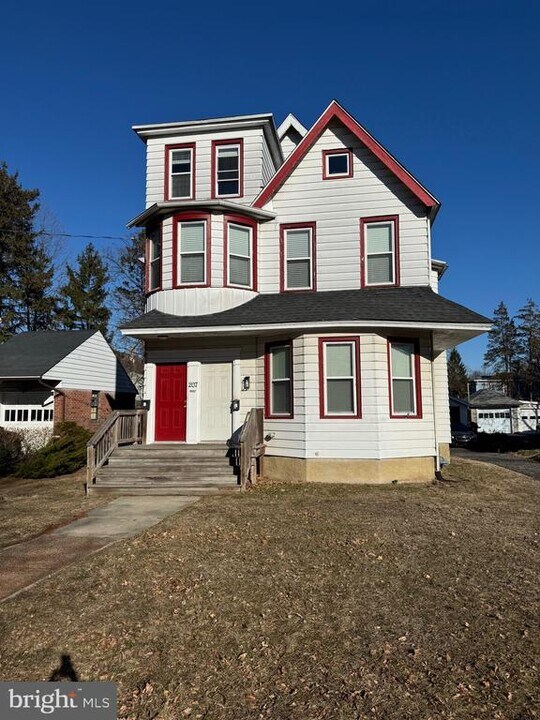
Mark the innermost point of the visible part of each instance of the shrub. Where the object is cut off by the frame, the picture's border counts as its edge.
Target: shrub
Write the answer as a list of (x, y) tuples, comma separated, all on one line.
[(64, 454), (11, 451)]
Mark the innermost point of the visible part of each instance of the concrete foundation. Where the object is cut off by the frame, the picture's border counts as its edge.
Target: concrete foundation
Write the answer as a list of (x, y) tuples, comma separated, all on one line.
[(368, 472)]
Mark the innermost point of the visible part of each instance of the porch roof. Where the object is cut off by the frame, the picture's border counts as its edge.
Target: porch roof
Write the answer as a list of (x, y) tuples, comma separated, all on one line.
[(413, 307)]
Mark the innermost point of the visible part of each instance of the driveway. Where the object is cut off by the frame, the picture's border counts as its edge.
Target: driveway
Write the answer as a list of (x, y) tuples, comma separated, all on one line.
[(25, 564), (506, 460)]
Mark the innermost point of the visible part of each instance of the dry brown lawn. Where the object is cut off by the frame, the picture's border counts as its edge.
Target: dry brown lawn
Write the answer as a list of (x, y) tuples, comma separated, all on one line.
[(307, 602), (30, 507)]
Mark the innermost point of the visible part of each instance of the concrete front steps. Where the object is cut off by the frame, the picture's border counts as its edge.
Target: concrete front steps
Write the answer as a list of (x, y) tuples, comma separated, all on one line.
[(168, 469)]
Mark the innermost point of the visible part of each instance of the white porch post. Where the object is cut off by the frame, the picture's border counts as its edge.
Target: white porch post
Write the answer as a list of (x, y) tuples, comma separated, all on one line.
[(237, 415), (150, 394), (193, 403)]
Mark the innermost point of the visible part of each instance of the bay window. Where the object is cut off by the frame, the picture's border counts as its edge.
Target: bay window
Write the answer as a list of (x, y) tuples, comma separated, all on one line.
[(404, 376), (153, 258), (240, 252), (191, 250), (339, 377)]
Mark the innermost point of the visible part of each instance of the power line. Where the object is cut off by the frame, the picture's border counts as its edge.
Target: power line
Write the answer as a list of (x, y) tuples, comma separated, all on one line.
[(71, 235)]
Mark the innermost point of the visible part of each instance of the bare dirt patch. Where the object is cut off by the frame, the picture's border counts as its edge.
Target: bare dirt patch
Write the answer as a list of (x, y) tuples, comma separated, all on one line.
[(307, 602), (31, 507)]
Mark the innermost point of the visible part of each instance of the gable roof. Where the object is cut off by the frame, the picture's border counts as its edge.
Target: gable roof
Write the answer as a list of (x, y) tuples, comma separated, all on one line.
[(291, 122), (491, 399), (31, 354), (336, 112)]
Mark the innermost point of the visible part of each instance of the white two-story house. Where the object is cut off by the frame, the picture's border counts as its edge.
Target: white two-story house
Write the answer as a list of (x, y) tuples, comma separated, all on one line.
[(290, 269)]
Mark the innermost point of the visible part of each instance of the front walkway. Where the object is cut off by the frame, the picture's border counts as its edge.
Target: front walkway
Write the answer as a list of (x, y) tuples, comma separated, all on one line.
[(25, 564)]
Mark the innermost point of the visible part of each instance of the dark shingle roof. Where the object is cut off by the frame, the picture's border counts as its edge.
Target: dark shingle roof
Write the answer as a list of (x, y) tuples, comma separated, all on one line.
[(31, 354), (405, 304), (491, 399)]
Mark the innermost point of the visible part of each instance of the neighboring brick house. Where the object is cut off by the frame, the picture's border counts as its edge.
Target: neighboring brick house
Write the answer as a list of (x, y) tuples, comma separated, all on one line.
[(47, 377)]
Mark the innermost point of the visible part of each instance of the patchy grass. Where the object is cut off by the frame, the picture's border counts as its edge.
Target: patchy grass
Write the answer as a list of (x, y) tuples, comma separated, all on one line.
[(29, 507), (306, 602), (529, 454)]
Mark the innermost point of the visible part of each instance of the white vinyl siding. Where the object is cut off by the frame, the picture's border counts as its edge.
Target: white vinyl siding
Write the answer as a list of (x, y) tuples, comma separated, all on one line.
[(180, 173), (192, 252), (336, 208), (91, 366), (380, 249), (258, 166), (240, 255), (298, 259)]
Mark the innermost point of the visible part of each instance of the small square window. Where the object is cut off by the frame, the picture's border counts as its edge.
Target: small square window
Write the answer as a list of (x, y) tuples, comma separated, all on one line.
[(337, 164)]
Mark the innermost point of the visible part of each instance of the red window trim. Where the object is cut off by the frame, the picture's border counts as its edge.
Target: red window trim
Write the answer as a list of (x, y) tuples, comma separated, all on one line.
[(283, 260), (417, 377), (180, 146), (213, 167), (147, 289), (363, 269), (350, 339), (268, 385), (342, 151), (248, 222), (185, 217)]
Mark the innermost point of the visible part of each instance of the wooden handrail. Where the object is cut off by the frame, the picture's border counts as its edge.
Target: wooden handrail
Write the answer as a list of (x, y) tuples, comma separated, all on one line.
[(122, 427), (251, 446)]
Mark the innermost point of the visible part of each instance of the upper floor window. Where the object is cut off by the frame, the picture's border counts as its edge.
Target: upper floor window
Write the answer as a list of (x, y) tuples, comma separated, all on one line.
[(404, 376), (298, 256), (153, 259), (379, 239), (180, 172), (337, 164), (278, 380), (240, 253), (339, 369), (191, 250), (227, 168)]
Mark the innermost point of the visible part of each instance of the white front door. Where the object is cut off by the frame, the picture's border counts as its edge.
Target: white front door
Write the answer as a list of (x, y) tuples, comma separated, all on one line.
[(216, 396)]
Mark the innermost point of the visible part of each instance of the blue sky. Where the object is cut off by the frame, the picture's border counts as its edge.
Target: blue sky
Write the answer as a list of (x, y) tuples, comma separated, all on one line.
[(451, 89)]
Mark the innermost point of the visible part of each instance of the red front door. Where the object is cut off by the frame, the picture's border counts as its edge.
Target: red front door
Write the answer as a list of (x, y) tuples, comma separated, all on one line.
[(171, 389)]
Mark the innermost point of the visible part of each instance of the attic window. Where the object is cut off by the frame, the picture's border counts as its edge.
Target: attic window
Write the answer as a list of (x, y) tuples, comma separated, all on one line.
[(337, 164)]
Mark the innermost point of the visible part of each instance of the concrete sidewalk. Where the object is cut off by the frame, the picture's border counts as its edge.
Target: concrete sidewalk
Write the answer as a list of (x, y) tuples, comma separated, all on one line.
[(26, 563)]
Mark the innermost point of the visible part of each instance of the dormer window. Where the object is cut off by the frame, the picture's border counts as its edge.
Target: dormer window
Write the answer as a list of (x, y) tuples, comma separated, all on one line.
[(337, 164), (379, 240), (227, 172), (180, 172)]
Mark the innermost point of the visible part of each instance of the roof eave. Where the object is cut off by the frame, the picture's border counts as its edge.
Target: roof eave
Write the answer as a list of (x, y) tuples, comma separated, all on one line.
[(162, 208)]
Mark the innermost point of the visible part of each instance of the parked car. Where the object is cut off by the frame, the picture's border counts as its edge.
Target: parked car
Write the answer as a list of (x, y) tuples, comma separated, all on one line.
[(462, 435)]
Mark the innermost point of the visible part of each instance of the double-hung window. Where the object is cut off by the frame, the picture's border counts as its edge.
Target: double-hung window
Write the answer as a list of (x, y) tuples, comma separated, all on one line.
[(404, 370), (298, 257), (191, 240), (380, 250), (180, 172), (241, 250), (337, 164), (153, 255), (339, 368), (228, 170), (279, 380)]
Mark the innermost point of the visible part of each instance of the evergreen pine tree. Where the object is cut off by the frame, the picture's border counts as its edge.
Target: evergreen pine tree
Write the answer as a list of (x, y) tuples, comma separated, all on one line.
[(128, 272), (502, 350), (26, 270), (457, 375), (528, 333), (85, 293)]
